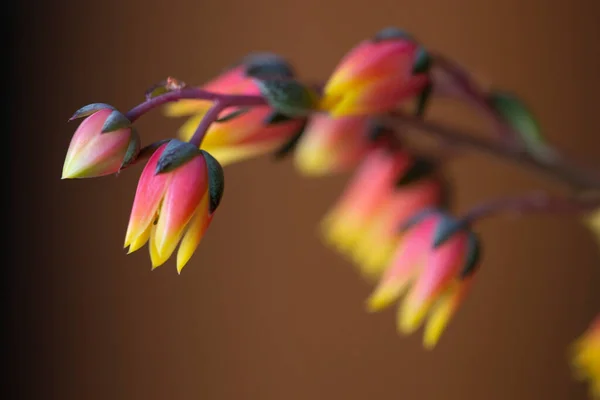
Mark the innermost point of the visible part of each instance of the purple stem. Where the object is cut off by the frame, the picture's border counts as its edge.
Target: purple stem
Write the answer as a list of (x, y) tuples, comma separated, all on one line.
[(561, 169), (211, 115), (463, 87), (531, 203), (193, 93)]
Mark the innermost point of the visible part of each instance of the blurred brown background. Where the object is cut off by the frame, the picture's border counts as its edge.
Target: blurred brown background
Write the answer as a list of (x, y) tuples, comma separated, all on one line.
[(265, 311)]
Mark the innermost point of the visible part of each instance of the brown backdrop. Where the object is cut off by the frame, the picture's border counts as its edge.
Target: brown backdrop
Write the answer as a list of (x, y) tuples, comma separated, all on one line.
[(265, 311)]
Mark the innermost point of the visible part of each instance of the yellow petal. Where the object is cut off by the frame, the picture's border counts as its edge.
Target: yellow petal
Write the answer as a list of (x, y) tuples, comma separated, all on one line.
[(231, 154), (141, 240), (194, 234), (155, 257), (411, 315), (186, 131), (183, 108), (385, 295)]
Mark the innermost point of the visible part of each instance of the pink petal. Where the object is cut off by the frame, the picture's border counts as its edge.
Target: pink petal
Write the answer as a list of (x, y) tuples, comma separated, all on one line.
[(187, 186), (148, 197)]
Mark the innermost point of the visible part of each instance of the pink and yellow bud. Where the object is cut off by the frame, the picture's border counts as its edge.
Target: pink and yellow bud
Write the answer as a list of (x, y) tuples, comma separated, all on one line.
[(366, 193), (170, 208), (436, 278), (586, 357), (332, 145), (245, 136), (374, 250), (374, 77), (93, 153)]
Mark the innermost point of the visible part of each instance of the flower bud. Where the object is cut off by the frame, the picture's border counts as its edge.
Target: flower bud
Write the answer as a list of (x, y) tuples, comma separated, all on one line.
[(93, 153)]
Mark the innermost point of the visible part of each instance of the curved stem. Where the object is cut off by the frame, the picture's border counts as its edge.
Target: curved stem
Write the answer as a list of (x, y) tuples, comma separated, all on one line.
[(463, 87), (193, 93), (211, 115), (531, 203), (560, 170)]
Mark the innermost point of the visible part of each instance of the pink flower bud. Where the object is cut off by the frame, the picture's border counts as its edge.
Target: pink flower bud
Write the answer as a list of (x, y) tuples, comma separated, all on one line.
[(374, 77), (331, 145), (245, 136), (436, 278), (93, 153), (174, 207)]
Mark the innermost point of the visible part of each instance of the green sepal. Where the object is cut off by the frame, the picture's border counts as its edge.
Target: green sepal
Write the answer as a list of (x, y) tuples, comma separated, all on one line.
[(472, 256), (232, 115), (288, 96), (267, 65), (115, 121), (446, 228), (392, 33), (518, 116), (276, 117), (290, 145), (89, 110), (417, 218), (216, 181), (133, 149), (421, 168), (176, 154)]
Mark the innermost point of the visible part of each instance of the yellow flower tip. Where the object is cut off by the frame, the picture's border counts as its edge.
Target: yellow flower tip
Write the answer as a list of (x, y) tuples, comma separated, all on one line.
[(433, 331), (410, 317), (585, 361), (383, 297)]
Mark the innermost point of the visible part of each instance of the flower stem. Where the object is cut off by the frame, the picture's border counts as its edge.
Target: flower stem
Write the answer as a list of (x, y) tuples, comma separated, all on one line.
[(531, 203), (451, 80), (211, 115), (193, 93), (561, 170)]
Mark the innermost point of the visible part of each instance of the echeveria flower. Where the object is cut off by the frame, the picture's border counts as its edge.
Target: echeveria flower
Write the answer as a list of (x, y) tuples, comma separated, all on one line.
[(374, 250), (374, 77), (174, 206), (93, 153), (331, 145), (368, 190), (435, 277), (247, 135)]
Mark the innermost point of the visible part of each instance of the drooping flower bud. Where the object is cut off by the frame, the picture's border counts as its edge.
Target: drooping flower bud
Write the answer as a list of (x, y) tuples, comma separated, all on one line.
[(437, 278), (375, 76), (102, 144), (177, 195), (331, 145), (250, 133)]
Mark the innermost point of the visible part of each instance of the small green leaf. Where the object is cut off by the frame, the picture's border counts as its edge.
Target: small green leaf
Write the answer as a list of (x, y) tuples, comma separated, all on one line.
[(176, 154), (288, 96), (89, 110), (472, 257), (267, 65), (133, 149), (289, 145), (516, 114), (421, 168), (115, 121), (216, 181), (233, 115)]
